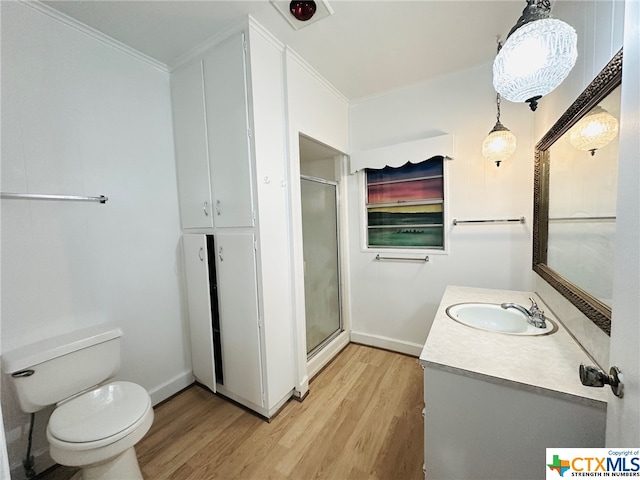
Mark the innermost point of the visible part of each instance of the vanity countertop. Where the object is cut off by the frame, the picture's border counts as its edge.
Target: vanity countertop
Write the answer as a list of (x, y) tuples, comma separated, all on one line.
[(546, 364)]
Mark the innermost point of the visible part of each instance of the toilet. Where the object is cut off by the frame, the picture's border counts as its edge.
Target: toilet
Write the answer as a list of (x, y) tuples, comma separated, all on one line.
[(95, 424)]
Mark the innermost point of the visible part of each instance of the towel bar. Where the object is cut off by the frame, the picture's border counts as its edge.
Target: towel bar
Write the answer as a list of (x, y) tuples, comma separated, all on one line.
[(504, 220), (38, 196), (403, 259)]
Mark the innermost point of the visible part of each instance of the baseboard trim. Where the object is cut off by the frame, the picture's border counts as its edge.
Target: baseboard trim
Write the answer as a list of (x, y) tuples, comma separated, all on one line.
[(42, 462), (328, 353), (392, 344), (171, 387), (302, 389)]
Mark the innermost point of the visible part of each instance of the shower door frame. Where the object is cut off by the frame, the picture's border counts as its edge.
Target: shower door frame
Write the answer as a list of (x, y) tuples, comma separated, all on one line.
[(340, 329)]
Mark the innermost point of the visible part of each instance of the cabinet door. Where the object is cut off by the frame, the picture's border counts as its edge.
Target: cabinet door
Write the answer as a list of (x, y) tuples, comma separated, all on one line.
[(196, 262), (225, 83), (187, 98), (239, 325)]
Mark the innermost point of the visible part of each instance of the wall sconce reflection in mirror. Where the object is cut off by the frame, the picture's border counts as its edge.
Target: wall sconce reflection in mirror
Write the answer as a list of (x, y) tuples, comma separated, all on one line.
[(594, 131)]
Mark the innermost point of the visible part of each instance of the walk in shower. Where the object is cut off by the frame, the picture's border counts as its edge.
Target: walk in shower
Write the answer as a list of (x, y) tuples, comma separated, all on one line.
[(320, 172), (321, 261)]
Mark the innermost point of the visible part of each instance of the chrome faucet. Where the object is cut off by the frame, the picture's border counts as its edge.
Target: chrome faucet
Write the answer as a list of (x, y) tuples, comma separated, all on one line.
[(534, 315)]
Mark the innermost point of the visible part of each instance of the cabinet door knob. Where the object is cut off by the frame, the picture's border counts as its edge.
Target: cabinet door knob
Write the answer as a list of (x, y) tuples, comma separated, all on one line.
[(591, 376), (201, 254), (205, 207), (218, 207), (220, 254)]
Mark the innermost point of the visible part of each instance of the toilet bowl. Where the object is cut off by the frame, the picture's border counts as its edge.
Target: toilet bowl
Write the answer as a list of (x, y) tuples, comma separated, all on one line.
[(94, 428), (95, 425)]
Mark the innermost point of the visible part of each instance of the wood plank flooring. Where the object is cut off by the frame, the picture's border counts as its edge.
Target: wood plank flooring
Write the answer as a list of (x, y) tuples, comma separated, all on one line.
[(361, 420)]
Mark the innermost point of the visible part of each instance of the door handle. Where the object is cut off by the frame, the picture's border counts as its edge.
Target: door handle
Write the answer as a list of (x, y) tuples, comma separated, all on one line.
[(205, 207), (201, 254), (591, 376)]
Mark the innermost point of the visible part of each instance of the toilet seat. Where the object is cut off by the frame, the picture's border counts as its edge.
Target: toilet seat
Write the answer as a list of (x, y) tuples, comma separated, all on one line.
[(99, 417)]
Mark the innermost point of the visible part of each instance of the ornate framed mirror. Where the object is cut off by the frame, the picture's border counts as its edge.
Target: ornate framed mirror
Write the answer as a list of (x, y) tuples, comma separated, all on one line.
[(575, 198)]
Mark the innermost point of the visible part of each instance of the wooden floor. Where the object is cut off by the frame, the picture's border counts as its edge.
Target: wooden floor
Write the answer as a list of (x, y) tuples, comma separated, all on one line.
[(361, 420)]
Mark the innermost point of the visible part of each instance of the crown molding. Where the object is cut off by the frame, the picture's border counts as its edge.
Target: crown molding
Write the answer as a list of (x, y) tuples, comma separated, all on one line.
[(247, 23), (199, 50), (294, 56), (266, 34), (95, 34)]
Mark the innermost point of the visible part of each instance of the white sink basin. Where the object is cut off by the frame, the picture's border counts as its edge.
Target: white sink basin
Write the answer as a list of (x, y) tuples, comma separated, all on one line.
[(494, 318)]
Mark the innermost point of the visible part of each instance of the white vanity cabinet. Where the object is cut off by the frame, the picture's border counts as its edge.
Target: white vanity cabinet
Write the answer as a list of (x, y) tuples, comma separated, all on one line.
[(231, 136), (495, 402), (478, 428)]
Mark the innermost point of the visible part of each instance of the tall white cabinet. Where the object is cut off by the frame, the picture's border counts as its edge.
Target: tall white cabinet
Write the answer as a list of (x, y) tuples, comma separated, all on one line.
[(230, 134)]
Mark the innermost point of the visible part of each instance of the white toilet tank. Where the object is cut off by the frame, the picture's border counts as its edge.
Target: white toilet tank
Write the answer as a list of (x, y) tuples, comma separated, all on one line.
[(49, 371)]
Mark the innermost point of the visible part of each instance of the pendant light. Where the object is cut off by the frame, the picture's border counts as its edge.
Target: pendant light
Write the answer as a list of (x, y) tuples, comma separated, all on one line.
[(595, 130), (500, 143), (537, 56)]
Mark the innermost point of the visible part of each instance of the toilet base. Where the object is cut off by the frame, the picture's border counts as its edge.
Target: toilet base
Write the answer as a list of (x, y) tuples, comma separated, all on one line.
[(124, 466)]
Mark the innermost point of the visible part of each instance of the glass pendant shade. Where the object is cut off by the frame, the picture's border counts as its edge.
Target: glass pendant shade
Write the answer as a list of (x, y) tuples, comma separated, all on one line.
[(534, 60), (499, 144), (594, 131)]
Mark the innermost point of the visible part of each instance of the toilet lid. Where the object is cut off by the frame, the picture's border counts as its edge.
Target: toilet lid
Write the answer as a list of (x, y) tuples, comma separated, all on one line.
[(100, 413)]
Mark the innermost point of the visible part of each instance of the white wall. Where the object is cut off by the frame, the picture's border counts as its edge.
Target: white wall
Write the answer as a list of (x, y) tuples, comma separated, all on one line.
[(274, 264), (599, 25), (316, 110), (393, 303), (80, 117)]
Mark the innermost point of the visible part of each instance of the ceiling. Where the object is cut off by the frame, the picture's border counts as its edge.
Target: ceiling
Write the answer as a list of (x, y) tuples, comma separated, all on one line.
[(364, 48)]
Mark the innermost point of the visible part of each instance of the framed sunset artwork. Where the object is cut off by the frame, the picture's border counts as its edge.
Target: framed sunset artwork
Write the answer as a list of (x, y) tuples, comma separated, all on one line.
[(405, 205)]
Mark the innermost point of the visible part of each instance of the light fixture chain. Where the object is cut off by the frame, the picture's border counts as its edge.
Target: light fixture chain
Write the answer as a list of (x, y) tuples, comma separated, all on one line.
[(499, 42), (544, 4)]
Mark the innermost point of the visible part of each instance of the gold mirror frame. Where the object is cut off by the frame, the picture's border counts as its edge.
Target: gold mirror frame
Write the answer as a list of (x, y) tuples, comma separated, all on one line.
[(606, 81)]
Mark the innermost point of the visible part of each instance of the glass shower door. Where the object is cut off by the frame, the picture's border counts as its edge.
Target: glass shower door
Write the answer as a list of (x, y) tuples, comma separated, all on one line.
[(321, 261)]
